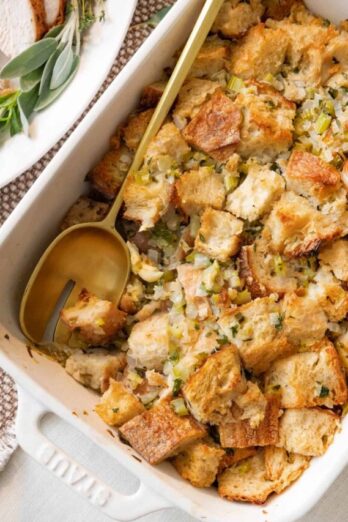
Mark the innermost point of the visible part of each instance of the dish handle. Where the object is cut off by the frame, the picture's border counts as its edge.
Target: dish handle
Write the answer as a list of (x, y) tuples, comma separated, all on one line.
[(111, 503)]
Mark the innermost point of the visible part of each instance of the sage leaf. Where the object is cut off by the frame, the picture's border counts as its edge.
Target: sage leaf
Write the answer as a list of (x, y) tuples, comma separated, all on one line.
[(157, 17), (30, 59), (31, 79), (47, 72), (62, 67), (15, 122), (46, 99), (26, 103), (54, 32)]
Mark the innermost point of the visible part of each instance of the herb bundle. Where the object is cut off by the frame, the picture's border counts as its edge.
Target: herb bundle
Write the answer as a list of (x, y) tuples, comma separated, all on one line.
[(46, 68)]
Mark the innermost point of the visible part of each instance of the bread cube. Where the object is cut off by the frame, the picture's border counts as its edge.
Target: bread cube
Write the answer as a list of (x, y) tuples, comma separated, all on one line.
[(262, 51), (328, 293), (250, 405), (148, 342), (216, 126), (132, 296), (256, 194), (304, 319), (210, 390), (84, 210), (237, 433), (341, 345), (306, 379), (159, 433), (199, 463), (108, 175), (118, 405), (235, 17), (212, 58), (135, 128), (192, 95), (308, 431), (283, 467), (191, 279), (95, 367), (198, 189), (235, 455), (96, 320), (168, 141), (218, 235), (335, 257), (152, 94)]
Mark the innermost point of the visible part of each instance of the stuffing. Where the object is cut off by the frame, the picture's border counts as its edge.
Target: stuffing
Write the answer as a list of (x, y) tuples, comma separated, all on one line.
[(250, 405), (199, 463), (198, 189), (146, 202), (309, 176), (308, 431), (142, 265), (248, 480), (84, 210), (97, 321), (256, 194), (191, 279), (262, 51), (192, 95), (132, 296), (328, 293), (108, 175), (306, 379), (135, 128), (236, 433), (283, 467), (149, 342), (95, 367), (168, 141), (159, 433), (211, 59), (294, 228), (304, 320), (267, 127), (235, 17), (256, 329), (232, 456), (341, 344), (152, 93), (210, 390), (278, 9), (218, 235), (215, 128), (335, 257), (118, 405)]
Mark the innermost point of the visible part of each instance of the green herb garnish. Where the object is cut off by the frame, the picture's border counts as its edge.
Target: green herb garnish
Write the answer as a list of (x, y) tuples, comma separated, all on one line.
[(324, 392), (177, 386)]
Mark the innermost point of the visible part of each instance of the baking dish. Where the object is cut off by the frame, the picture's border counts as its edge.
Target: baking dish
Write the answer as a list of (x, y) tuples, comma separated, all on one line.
[(47, 386)]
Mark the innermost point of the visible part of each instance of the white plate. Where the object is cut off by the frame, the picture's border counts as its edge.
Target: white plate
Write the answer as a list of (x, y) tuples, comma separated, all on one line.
[(100, 48)]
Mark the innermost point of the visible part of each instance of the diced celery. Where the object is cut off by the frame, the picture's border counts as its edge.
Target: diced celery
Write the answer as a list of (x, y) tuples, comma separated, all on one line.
[(235, 84), (269, 78), (279, 265), (231, 181), (179, 407), (323, 123), (243, 297)]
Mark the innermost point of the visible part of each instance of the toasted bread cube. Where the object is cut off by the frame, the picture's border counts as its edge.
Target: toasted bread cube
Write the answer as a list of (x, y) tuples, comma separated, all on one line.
[(304, 319), (283, 467), (198, 189), (152, 94), (262, 51), (215, 127), (192, 95), (95, 367), (308, 175), (258, 333), (146, 203), (294, 228), (96, 320), (267, 128), (218, 236), (235, 17), (255, 196), (84, 210), (135, 128), (148, 342), (250, 405), (118, 405), (236, 433), (131, 298), (335, 257), (159, 433), (308, 379), (278, 9), (210, 390), (235, 455), (168, 141), (341, 344), (199, 463), (211, 58), (308, 431), (328, 292), (191, 279), (108, 175)]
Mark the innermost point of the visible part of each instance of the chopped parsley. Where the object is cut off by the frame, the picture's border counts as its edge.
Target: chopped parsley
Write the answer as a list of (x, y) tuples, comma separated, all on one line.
[(222, 340), (234, 330), (177, 386), (324, 392), (115, 410), (278, 325), (202, 238)]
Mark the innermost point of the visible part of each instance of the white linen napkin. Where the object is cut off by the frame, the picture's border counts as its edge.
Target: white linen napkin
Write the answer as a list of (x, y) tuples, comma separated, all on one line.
[(8, 406)]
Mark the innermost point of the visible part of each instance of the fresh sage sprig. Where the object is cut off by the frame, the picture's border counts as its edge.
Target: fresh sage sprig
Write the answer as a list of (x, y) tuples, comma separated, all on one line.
[(46, 68)]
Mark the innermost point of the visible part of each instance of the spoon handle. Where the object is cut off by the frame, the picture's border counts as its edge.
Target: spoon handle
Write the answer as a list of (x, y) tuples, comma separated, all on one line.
[(181, 70)]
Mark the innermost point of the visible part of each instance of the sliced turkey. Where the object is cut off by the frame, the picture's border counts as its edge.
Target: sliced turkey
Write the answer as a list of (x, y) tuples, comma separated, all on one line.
[(54, 12)]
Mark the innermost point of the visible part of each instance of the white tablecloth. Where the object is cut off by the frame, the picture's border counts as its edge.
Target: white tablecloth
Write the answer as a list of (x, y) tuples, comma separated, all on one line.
[(29, 493)]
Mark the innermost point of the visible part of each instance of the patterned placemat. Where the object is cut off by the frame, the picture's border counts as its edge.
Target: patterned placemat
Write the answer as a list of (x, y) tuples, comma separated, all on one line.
[(11, 194)]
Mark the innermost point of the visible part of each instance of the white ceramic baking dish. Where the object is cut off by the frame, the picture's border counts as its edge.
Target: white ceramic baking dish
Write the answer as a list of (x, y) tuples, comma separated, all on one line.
[(49, 389)]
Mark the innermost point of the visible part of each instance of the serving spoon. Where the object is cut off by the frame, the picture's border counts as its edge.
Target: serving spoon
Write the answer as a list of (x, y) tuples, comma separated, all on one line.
[(94, 255)]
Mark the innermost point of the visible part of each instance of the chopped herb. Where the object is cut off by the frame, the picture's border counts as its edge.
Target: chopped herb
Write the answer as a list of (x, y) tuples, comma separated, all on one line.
[(278, 325), (196, 326), (202, 238), (276, 387), (176, 387), (275, 167), (222, 340), (324, 392), (234, 330), (115, 410), (174, 356)]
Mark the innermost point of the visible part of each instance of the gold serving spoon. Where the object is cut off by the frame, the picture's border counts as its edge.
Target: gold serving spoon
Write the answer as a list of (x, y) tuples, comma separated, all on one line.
[(94, 255)]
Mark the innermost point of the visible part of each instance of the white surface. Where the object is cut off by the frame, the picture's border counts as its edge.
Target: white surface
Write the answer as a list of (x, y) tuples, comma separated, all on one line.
[(29, 493), (100, 48), (334, 10), (48, 199)]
